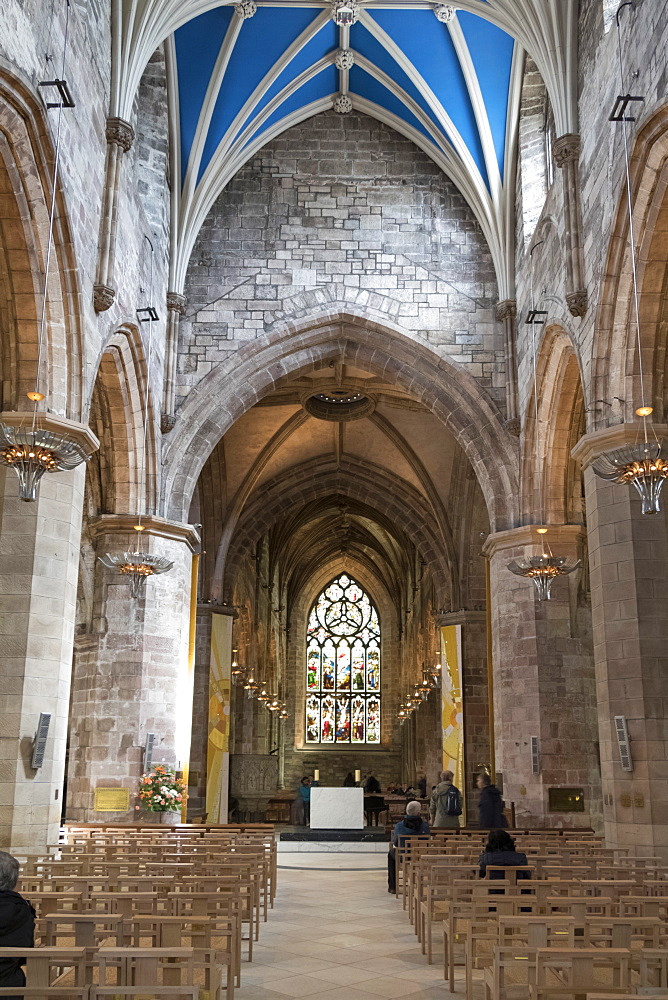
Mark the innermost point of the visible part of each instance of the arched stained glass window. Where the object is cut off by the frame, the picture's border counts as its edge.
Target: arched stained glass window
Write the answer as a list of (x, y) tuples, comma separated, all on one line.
[(343, 666)]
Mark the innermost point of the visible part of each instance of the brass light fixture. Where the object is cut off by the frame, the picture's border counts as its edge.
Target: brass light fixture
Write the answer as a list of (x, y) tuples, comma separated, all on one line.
[(543, 570), (644, 464)]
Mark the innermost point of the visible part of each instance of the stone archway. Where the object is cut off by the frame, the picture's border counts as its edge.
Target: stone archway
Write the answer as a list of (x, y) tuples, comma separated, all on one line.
[(445, 388)]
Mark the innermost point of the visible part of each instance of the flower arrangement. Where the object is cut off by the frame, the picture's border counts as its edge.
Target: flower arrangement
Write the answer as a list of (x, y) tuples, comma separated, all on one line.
[(160, 790)]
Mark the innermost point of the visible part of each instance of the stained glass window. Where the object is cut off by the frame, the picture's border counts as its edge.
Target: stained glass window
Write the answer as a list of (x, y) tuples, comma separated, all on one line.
[(343, 666)]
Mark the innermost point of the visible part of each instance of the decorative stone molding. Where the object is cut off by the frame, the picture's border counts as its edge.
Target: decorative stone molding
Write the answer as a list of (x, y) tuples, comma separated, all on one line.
[(119, 132), (566, 153), (120, 136), (80, 433), (590, 446), (176, 307), (344, 59), (157, 527), (445, 12), (176, 303), (526, 536), (167, 422), (343, 105), (506, 313), (566, 149), (513, 426), (245, 9), (103, 298), (577, 302), (461, 617)]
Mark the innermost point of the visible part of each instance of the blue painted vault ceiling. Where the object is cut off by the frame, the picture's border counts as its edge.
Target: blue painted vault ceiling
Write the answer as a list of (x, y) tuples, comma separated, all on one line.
[(241, 82)]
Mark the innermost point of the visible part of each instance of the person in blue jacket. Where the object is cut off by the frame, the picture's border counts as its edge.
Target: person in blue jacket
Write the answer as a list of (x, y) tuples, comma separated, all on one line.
[(410, 826), (304, 791)]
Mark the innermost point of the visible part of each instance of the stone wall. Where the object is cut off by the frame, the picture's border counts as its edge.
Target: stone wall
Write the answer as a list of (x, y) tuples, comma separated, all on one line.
[(341, 208)]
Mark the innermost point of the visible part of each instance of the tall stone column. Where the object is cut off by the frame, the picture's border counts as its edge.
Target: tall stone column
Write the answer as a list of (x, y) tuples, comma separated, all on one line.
[(506, 313), (566, 152), (176, 307), (543, 683), (39, 563), (120, 136), (628, 556), (131, 676)]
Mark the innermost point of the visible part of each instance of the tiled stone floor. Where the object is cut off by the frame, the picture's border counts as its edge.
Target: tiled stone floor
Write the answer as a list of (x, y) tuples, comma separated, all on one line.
[(335, 932)]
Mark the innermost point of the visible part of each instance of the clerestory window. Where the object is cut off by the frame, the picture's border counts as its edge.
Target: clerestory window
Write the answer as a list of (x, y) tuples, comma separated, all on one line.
[(343, 666)]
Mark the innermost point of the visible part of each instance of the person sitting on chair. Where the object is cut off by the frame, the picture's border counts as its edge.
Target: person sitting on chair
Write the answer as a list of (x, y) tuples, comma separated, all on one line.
[(411, 825), (500, 850), (17, 922)]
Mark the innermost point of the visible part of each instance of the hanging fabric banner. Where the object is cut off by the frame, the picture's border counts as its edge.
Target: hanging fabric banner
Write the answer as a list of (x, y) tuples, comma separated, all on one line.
[(218, 751), (452, 711)]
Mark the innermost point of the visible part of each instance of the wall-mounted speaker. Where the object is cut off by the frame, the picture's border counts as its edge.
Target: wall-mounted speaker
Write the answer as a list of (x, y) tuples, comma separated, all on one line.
[(624, 743), (535, 756), (148, 751), (39, 746)]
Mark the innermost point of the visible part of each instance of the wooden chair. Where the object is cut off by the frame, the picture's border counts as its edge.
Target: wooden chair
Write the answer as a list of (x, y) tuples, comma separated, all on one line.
[(574, 972), (44, 966)]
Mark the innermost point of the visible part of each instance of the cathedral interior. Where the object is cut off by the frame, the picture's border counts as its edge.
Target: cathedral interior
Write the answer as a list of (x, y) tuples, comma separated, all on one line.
[(333, 374)]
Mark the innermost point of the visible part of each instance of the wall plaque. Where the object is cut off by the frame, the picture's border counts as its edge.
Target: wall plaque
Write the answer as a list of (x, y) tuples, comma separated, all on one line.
[(566, 800), (115, 800)]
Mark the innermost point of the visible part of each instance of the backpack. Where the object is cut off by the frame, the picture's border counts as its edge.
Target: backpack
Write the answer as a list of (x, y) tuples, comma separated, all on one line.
[(452, 802)]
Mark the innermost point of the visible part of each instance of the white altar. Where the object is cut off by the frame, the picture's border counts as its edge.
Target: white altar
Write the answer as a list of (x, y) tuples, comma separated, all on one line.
[(337, 808)]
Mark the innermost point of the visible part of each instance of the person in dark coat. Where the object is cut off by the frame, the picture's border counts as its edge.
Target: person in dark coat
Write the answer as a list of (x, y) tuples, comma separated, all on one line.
[(17, 923), (349, 781), (490, 805), (410, 826), (372, 785), (500, 850)]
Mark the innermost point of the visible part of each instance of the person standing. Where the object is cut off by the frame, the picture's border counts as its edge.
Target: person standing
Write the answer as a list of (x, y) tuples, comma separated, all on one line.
[(422, 786), (490, 805), (372, 785), (305, 795), (17, 922), (411, 825), (445, 806)]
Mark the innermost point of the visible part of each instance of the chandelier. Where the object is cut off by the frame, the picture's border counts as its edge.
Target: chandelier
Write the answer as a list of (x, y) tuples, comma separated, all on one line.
[(237, 672), (137, 567), (345, 12), (250, 685), (32, 452), (543, 570), (644, 466)]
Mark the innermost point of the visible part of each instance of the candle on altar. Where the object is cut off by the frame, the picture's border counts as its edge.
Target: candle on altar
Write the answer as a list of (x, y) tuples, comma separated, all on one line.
[(358, 775), (316, 775)]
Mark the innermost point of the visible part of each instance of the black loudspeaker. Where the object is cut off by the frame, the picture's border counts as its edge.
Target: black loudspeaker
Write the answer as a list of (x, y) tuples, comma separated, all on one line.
[(39, 746)]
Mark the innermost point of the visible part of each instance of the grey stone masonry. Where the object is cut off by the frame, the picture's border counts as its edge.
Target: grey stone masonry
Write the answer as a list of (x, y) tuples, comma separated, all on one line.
[(342, 210)]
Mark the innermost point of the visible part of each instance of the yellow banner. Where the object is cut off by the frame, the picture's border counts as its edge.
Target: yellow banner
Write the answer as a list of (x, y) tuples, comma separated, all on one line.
[(452, 711), (218, 757)]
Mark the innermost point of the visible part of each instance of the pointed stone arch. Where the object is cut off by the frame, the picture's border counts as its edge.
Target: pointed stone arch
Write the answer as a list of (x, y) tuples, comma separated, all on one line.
[(441, 385), (26, 186), (615, 367), (561, 418)]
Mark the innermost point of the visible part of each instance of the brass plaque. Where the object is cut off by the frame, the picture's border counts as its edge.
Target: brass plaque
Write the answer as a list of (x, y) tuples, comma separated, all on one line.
[(113, 800), (566, 800)]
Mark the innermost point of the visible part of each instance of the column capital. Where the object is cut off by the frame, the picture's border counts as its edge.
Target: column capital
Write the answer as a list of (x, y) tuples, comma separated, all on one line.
[(526, 535), (590, 446), (80, 433), (506, 309), (211, 608), (157, 527), (461, 617), (176, 302), (566, 148), (119, 133)]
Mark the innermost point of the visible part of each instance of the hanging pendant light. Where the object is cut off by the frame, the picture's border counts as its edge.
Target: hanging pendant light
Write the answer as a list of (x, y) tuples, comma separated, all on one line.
[(236, 671), (32, 451), (139, 565), (250, 685), (643, 465), (544, 570), (436, 671)]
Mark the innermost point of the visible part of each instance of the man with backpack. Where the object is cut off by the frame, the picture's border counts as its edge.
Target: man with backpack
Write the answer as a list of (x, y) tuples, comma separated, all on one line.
[(446, 802)]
